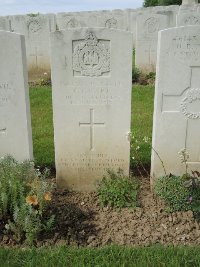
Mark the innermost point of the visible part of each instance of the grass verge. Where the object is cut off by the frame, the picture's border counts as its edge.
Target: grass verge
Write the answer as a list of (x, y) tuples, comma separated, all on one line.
[(156, 256)]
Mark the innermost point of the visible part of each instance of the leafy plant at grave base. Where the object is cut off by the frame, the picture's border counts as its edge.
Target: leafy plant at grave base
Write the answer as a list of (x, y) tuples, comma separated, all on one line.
[(181, 192), (135, 75), (151, 76), (192, 182), (44, 81), (172, 191), (143, 78), (24, 197), (116, 190)]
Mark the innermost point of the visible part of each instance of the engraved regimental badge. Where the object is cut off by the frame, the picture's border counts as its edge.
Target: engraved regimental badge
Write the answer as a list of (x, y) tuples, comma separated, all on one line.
[(91, 57), (192, 96)]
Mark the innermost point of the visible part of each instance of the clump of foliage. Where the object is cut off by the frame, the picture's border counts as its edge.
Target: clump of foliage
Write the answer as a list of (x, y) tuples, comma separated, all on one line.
[(33, 15), (151, 76), (143, 78), (172, 191), (116, 190), (44, 81), (192, 182), (181, 193), (148, 3), (24, 197), (135, 75)]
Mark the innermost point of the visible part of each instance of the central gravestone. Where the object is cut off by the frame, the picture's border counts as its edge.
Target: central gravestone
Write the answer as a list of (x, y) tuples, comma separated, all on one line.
[(91, 76), (177, 101)]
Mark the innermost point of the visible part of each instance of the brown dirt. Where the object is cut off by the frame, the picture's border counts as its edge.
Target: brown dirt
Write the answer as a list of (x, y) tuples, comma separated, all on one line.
[(81, 221)]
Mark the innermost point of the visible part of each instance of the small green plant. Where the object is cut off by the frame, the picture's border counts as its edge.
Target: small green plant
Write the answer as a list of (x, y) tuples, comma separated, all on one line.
[(140, 147), (181, 193), (151, 76), (116, 190), (24, 197), (172, 191), (46, 81), (135, 75), (33, 15)]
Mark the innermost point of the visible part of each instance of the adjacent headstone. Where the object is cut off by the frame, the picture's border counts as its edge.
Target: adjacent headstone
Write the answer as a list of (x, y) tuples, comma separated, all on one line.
[(189, 2), (15, 121), (116, 19), (91, 76), (177, 101), (188, 15), (133, 14), (148, 26), (169, 11), (36, 29), (189, 18), (72, 20), (4, 24)]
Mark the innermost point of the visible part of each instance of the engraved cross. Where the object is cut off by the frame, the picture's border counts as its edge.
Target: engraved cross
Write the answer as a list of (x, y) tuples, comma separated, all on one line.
[(92, 124), (187, 103)]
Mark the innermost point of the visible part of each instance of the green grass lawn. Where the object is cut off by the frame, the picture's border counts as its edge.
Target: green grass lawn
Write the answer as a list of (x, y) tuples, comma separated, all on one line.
[(42, 122), (42, 126), (112, 256)]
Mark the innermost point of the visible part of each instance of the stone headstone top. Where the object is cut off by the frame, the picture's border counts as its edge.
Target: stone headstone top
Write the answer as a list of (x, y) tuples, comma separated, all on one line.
[(189, 2)]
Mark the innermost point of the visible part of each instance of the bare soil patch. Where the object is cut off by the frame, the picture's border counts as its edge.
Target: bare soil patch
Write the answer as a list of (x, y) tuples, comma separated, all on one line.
[(82, 221)]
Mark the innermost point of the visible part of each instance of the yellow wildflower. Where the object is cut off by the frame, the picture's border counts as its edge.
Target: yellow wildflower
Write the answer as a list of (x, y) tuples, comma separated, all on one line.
[(32, 200), (48, 196)]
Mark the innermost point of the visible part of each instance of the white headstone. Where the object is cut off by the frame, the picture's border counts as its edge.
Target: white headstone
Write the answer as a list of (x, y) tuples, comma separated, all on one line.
[(133, 13), (36, 29), (91, 76), (169, 11), (177, 101), (189, 18), (148, 26), (15, 121), (72, 20), (189, 2), (115, 19), (4, 24)]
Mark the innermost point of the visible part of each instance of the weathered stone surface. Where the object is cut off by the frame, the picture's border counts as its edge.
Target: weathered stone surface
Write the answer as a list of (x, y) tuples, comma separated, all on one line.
[(15, 122), (189, 18), (72, 20), (91, 75), (4, 24), (36, 29), (169, 11), (115, 19), (188, 15), (176, 115), (148, 26), (189, 2)]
